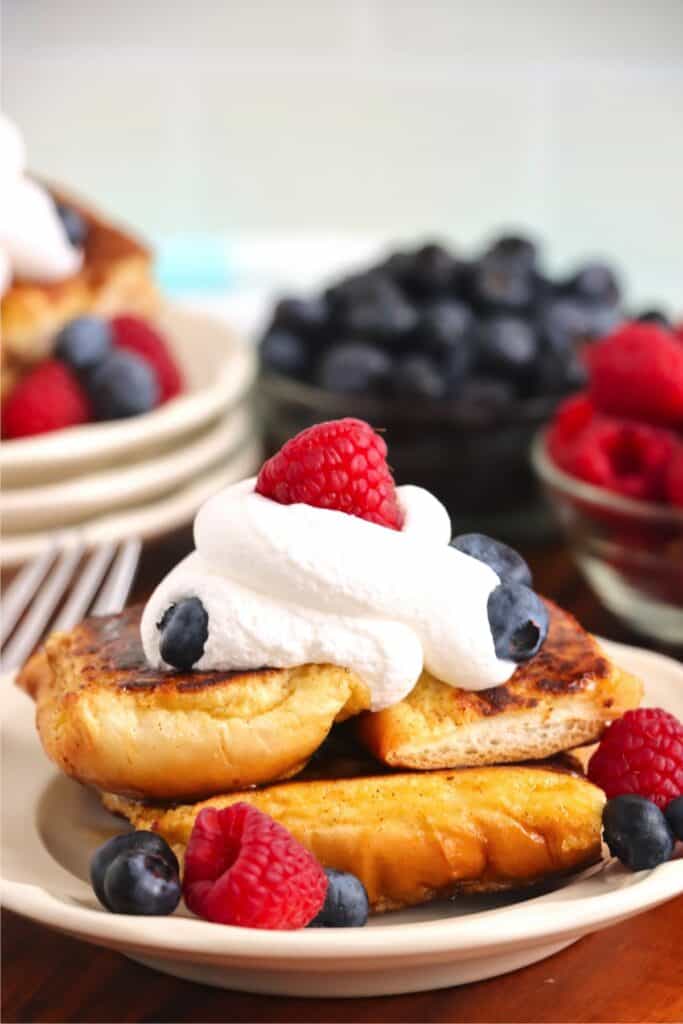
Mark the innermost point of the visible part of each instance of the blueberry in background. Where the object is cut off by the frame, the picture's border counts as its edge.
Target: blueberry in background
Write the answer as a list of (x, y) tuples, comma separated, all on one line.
[(655, 316), (184, 629), (596, 283), (485, 393), (674, 816), (418, 376), (147, 842), (501, 284), (508, 348), (84, 343), (284, 352), (558, 372), (141, 882), (430, 273), (346, 903), (518, 620), (515, 250), (637, 832), (122, 385), (444, 326), (355, 368), (371, 306), (307, 317), (507, 563), (74, 224)]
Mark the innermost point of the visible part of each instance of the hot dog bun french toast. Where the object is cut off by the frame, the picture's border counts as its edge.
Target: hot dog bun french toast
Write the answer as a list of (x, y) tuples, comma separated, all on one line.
[(319, 593)]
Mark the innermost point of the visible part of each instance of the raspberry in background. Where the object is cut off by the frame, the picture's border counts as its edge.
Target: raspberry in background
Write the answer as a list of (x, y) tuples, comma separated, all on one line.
[(642, 753), (637, 372), (48, 398), (674, 477), (243, 868), (136, 335), (624, 457), (340, 464)]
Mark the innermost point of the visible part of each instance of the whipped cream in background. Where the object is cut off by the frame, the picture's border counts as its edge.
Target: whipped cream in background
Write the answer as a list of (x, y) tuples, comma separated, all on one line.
[(33, 242), (284, 585)]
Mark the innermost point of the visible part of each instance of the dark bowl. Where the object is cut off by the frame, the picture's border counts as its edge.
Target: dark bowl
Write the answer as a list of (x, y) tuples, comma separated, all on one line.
[(473, 457)]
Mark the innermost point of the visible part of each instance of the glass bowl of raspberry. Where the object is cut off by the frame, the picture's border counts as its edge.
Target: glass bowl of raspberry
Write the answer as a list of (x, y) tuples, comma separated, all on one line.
[(611, 465), (460, 361)]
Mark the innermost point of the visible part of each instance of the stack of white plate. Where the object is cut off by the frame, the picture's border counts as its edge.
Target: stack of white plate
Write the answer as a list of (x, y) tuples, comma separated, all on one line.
[(143, 476)]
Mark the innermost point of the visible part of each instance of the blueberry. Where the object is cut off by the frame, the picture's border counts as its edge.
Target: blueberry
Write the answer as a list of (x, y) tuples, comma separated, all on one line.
[(306, 317), (654, 316), (559, 372), (371, 306), (122, 385), (430, 273), (444, 326), (346, 904), (147, 842), (504, 560), (595, 282), (674, 816), (284, 352), (518, 620), (514, 250), (184, 629), (73, 223), (564, 322), (418, 376), (141, 882), (508, 347), (501, 284), (355, 368), (636, 832), (486, 392), (84, 342)]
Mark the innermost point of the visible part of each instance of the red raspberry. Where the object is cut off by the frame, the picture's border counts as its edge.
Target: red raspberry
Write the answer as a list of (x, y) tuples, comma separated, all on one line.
[(674, 478), (245, 869), (137, 336), (638, 372), (641, 753), (627, 458), (570, 420), (50, 397), (338, 465)]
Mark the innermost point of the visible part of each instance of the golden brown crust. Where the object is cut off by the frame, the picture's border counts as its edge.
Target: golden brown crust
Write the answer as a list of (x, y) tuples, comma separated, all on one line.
[(116, 277), (562, 698), (413, 837), (109, 721)]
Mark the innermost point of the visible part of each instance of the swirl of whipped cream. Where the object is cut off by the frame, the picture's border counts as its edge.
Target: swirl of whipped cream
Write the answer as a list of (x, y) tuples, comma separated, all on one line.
[(285, 585), (33, 242)]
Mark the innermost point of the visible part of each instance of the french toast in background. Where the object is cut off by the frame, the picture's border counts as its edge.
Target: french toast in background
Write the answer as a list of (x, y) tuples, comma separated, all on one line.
[(116, 277)]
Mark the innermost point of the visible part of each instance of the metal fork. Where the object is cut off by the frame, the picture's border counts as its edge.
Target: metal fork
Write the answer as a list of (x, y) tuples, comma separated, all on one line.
[(102, 585)]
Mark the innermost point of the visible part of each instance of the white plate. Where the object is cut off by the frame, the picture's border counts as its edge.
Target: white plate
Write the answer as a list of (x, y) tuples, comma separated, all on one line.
[(82, 497), (52, 825), (145, 521), (219, 369)]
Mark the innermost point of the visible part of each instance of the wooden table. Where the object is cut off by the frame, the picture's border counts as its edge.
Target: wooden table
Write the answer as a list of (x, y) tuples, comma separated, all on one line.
[(630, 973)]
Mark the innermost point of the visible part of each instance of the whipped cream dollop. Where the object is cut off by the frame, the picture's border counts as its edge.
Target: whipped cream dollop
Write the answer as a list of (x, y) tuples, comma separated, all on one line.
[(33, 242), (285, 585)]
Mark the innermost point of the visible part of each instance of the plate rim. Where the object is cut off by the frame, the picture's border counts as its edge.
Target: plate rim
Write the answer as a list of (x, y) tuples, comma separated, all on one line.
[(541, 919)]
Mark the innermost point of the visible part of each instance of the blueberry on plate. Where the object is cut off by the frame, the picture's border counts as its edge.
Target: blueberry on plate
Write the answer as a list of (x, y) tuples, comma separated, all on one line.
[(142, 841), (636, 832), (418, 376), (184, 629), (84, 343), (122, 385), (507, 563), (346, 903), (73, 223), (518, 620), (674, 816), (141, 882), (284, 352), (355, 368)]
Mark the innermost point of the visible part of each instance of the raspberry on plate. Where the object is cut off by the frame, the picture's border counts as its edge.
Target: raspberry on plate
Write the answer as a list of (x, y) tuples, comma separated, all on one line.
[(49, 398), (641, 753), (136, 335), (638, 372), (243, 868), (338, 465)]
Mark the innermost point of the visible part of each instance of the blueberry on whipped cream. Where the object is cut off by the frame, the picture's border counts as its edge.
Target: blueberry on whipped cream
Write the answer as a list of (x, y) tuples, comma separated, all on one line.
[(272, 585)]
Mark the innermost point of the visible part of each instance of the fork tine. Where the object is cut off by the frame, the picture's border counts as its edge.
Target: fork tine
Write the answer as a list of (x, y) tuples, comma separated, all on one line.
[(82, 594), (113, 595), (22, 588), (37, 618)]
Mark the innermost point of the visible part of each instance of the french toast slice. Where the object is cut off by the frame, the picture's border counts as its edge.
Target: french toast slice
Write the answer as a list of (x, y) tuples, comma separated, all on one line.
[(416, 836), (109, 721), (562, 698), (116, 277)]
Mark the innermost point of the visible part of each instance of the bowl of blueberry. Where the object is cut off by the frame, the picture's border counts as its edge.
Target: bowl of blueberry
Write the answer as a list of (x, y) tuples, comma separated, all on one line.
[(459, 360), (611, 465)]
